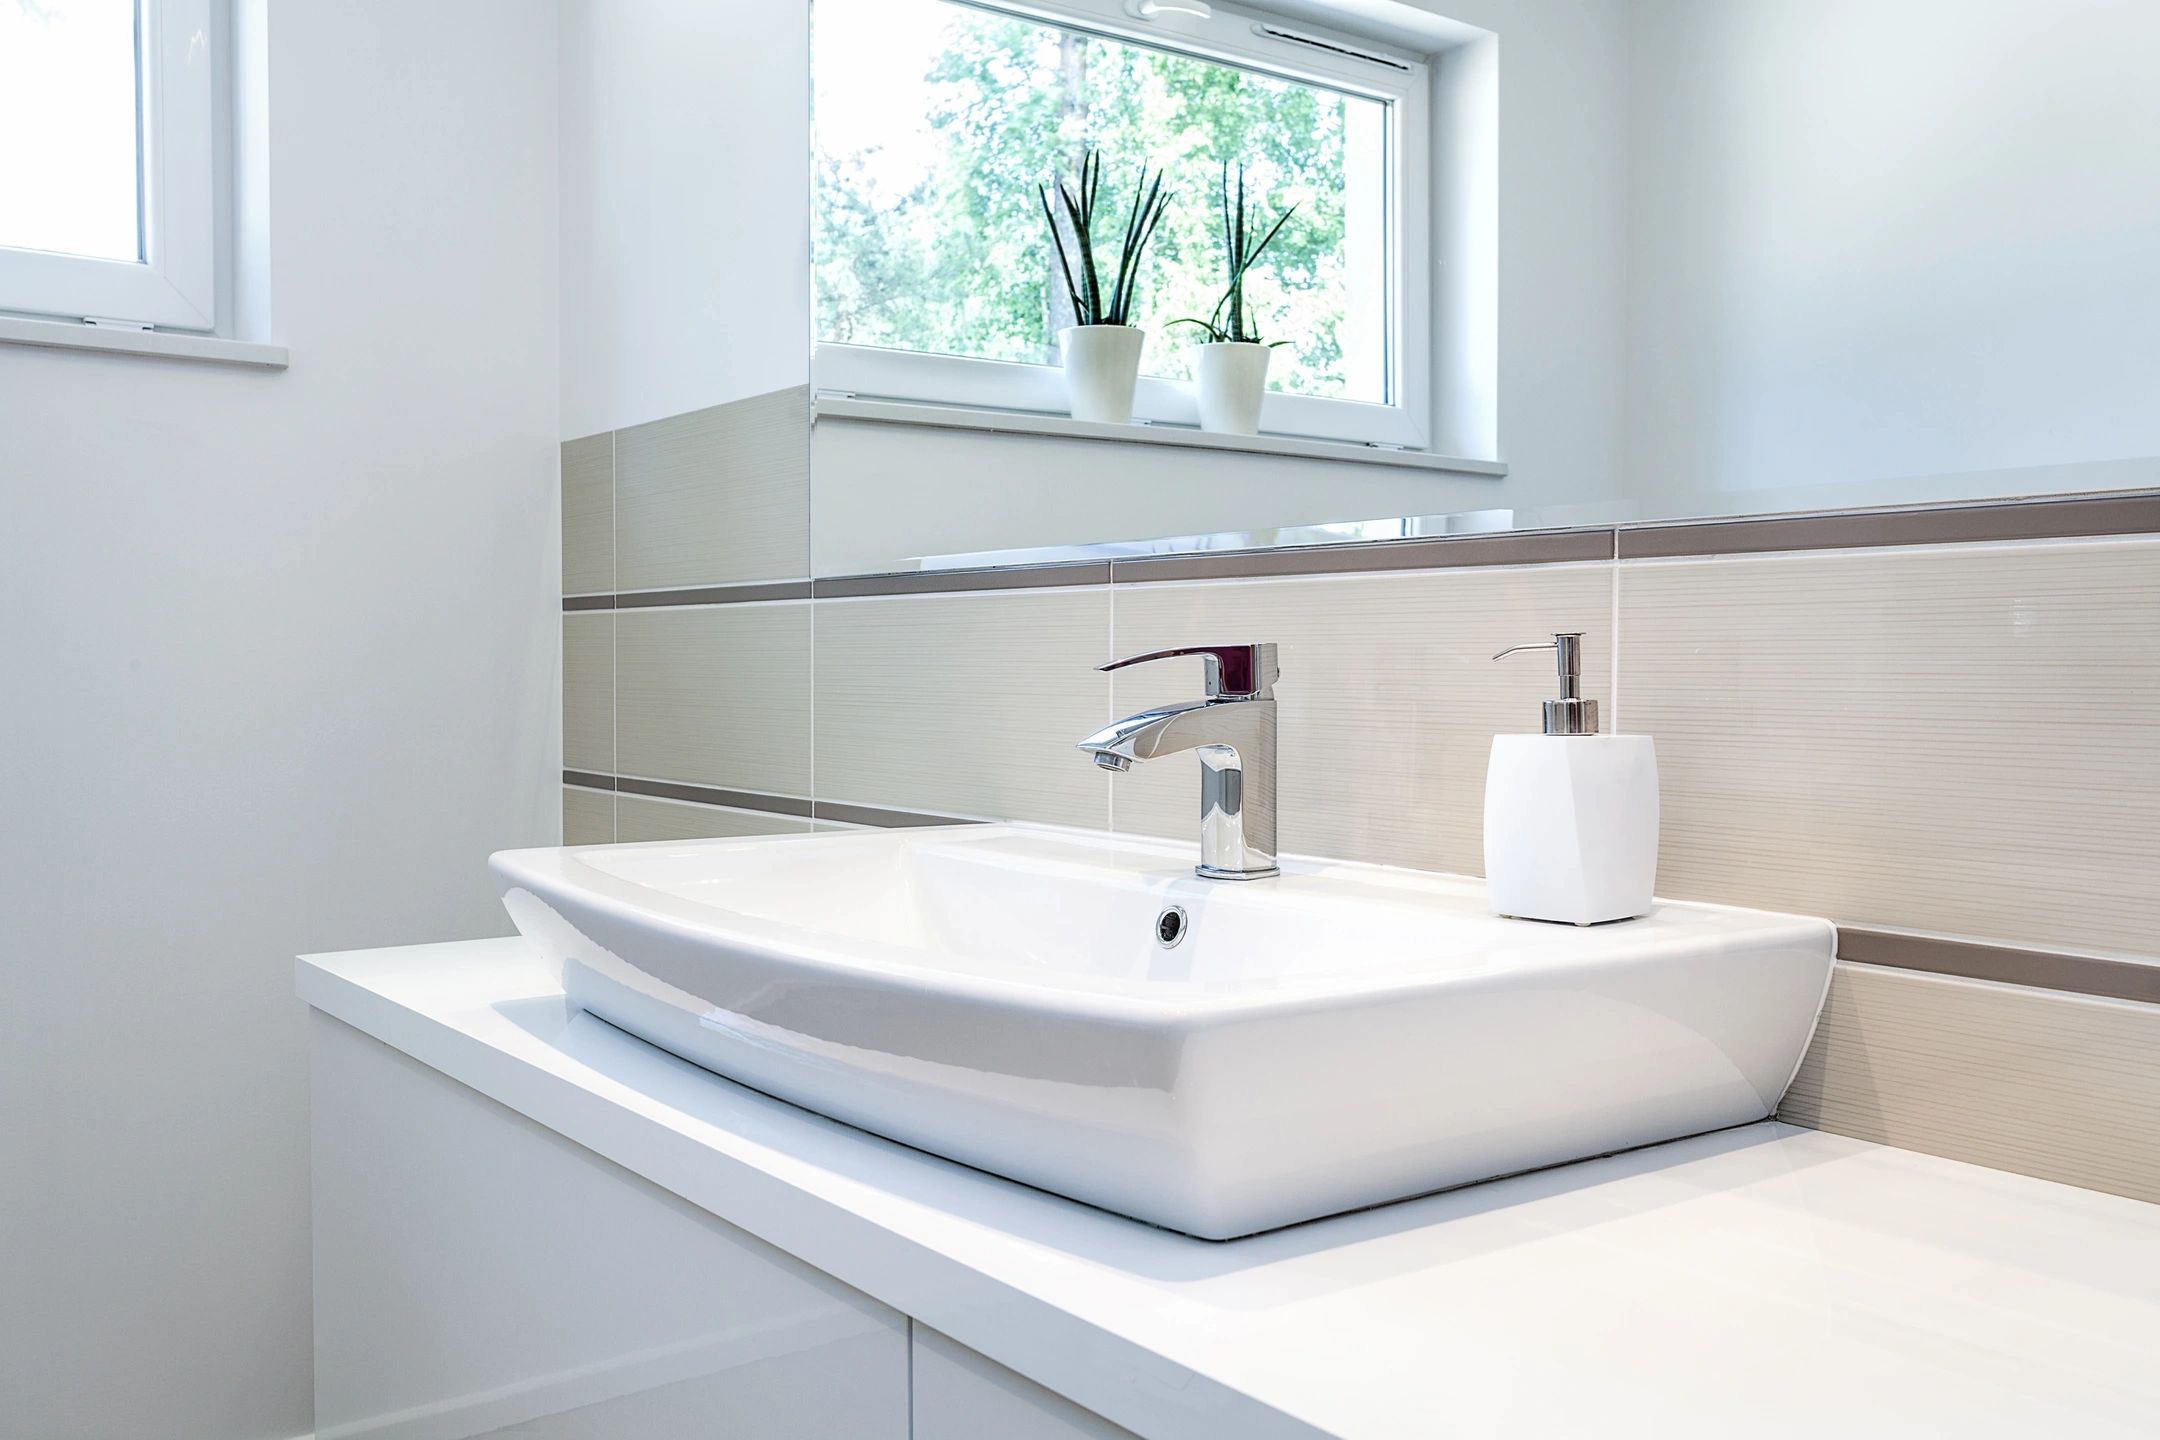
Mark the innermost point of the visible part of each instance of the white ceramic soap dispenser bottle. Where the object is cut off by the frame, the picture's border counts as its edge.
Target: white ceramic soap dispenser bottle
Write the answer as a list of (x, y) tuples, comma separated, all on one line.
[(1571, 816)]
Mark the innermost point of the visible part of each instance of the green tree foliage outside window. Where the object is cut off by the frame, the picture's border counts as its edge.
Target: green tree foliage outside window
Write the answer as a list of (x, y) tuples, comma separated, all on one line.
[(958, 262)]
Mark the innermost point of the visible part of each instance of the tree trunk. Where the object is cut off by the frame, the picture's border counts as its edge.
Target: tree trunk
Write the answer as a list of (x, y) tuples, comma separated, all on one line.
[(1072, 101)]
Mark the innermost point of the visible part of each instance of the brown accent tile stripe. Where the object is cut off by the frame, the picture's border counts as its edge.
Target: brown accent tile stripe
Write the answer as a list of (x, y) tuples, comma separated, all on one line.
[(714, 795), (927, 582), (875, 815), (695, 794), (1529, 547), (2093, 515), (694, 595), (2040, 969), (715, 594), (2123, 514)]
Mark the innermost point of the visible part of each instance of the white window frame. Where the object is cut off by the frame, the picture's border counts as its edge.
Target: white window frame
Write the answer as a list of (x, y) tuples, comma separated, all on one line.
[(174, 285), (1231, 36)]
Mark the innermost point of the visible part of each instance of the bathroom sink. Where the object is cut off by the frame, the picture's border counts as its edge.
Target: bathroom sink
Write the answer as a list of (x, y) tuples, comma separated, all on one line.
[(1082, 1013)]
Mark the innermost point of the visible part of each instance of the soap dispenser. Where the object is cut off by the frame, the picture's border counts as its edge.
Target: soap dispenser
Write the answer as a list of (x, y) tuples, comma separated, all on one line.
[(1571, 816)]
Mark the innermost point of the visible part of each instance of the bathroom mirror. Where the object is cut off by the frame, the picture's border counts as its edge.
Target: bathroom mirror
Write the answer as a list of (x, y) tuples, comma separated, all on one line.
[(1541, 266)]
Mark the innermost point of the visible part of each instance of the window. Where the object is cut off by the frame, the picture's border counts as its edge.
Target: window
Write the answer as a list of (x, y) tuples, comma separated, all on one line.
[(106, 174), (934, 276)]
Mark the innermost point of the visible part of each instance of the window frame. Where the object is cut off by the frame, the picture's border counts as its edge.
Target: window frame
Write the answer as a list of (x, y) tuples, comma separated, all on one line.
[(1229, 36), (174, 285)]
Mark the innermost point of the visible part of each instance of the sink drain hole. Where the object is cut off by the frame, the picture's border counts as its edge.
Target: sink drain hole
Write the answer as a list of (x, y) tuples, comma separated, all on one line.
[(1171, 925)]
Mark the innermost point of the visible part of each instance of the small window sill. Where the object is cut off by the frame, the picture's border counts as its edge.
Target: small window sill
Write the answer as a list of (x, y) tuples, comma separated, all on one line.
[(160, 344), (1011, 422)]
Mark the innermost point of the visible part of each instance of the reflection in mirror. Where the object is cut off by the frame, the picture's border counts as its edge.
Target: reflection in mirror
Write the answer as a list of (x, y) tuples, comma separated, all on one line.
[(1545, 266), (930, 237)]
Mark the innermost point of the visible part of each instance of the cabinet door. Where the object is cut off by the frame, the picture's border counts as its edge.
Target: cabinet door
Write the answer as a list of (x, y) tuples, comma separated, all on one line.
[(960, 1395), (477, 1274)]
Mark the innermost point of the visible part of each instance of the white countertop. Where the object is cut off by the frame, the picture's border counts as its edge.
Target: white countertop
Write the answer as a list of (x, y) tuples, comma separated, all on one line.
[(1766, 1281)]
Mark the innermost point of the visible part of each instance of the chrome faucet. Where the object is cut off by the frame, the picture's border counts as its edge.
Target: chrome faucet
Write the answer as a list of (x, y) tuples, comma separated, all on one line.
[(1233, 732)]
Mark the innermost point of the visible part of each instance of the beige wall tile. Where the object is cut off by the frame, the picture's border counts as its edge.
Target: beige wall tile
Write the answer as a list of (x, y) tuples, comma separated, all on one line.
[(716, 694), (964, 704), (588, 669), (715, 496), (588, 816), (1389, 698), (1953, 740), (640, 817), (588, 515), (2060, 1086)]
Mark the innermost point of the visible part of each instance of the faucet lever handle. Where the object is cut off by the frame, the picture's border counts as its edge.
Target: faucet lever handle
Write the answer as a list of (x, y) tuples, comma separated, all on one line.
[(1232, 672)]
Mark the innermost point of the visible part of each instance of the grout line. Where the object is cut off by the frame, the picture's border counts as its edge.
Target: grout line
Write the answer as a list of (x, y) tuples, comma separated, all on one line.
[(1613, 682), (1109, 781), (614, 676), (811, 659)]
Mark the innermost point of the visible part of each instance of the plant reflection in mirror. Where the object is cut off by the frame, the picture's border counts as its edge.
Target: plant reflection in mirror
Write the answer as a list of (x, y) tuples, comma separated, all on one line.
[(1090, 305), (1240, 253)]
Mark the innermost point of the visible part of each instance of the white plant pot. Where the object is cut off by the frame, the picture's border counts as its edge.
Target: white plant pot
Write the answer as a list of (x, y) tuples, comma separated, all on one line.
[(1233, 380), (1102, 366)]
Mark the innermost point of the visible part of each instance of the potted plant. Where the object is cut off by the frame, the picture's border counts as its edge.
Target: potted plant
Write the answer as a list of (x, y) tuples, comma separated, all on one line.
[(1101, 349), (1233, 362)]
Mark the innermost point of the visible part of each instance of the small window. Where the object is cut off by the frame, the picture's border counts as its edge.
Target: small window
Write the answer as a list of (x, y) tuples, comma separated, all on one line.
[(107, 175), (935, 277)]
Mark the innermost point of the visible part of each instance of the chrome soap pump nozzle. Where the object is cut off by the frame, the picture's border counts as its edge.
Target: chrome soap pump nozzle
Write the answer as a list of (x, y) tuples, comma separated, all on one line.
[(1570, 714)]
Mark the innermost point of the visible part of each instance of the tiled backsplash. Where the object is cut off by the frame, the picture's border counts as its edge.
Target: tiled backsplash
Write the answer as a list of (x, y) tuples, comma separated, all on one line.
[(964, 704), (715, 695), (714, 497), (2063, 1086), (1954, 738)]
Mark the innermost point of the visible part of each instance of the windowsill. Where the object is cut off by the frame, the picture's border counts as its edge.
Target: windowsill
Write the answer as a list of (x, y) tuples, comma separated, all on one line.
[(1011, 422), (161, 344)]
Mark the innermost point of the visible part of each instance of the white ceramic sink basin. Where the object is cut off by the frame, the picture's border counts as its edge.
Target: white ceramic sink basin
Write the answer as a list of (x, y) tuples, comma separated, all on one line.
[(1337, 1037)]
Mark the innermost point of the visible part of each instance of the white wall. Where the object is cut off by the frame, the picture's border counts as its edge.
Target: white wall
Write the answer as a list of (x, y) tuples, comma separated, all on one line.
[(685, 206), (1892, 238), (280, 670), (1563, 81)]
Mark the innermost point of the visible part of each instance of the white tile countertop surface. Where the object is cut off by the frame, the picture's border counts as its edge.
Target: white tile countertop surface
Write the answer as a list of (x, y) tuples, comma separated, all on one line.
[(1764, 1281)]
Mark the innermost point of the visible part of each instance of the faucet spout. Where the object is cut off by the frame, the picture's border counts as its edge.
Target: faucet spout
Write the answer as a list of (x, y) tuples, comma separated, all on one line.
[(1168, 731), (1233, 735)]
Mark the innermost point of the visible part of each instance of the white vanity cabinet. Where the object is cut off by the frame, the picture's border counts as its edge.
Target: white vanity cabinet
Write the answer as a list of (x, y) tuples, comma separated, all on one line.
[(960, 1395), (477, 1274)]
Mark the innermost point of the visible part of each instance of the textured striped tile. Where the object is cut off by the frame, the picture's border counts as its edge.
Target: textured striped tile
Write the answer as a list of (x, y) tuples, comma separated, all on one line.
[(964, 704), (639, 818), (716, 496), (588, 515), (1956, 740), (588, 666), (588, 816), (717, 694), (1389, 697), (2064, 1087)]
